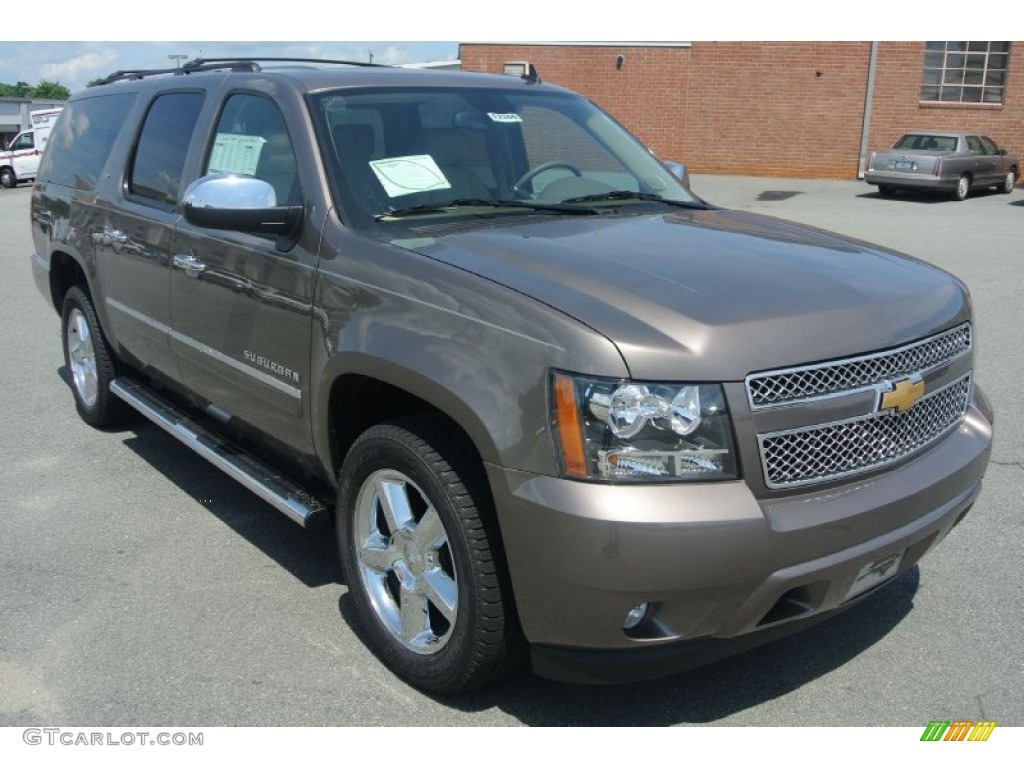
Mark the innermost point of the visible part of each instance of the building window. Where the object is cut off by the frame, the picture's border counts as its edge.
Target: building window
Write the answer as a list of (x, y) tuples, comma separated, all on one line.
[(965, 73)]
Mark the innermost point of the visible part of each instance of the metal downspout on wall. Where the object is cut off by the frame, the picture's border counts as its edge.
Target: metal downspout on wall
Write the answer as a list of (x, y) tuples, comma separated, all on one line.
[(868, 98)]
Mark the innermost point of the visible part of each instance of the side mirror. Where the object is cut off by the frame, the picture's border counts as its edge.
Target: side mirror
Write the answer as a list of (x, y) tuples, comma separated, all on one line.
[(1003, 152), (241, 203), (679, 171)]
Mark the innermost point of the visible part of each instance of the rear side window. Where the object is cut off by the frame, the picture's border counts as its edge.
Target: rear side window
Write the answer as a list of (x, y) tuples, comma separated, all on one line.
[(82, 139), (163, 144)]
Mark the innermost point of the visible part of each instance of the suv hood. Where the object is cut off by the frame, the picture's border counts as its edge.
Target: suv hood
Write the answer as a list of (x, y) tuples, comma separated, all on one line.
[(708, 295)]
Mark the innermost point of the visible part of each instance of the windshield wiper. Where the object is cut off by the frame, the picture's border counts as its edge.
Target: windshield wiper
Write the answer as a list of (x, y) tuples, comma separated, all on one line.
[(646, 197), (469, 202)]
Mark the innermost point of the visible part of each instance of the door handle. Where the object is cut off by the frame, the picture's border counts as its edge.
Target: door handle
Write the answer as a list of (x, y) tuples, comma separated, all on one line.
[(192, 266), (114, 236), (110, 238)]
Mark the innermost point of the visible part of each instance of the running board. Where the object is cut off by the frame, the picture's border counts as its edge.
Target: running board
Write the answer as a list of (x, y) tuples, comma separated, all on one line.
[(280, 492)]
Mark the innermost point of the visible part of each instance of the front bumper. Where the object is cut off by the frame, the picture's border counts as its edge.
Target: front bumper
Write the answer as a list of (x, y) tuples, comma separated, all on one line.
[(721, 569), (585, 666)]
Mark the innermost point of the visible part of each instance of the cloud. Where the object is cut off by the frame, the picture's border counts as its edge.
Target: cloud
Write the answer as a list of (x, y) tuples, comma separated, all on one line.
[(85, 66), (393, 55)]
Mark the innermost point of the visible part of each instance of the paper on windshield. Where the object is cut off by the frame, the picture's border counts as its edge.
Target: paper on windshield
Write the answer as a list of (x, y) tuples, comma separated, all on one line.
[(408, 175)]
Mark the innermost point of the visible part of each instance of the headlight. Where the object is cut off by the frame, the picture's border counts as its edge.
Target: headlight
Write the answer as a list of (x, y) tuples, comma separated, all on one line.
[(615, 430)]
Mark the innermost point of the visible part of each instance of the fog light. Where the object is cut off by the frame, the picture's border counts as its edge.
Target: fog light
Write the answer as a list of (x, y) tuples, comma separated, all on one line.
[(635, 616)]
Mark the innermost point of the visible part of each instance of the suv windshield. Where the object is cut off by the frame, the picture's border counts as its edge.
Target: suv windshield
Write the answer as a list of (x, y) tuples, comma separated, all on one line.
[(396, 152)]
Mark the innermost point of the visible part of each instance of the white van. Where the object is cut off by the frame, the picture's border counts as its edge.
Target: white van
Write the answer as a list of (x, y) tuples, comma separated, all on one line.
[(20, 159)]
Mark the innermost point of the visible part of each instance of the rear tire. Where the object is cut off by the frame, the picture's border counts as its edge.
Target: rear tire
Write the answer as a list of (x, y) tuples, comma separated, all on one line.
[(7, 178), (1009, 182), (422, 557), (963, 187), (89, 362)]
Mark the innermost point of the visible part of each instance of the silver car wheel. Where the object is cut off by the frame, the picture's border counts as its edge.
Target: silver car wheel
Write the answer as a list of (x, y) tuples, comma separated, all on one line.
[(963, 186), (404, 562), (1009, 182), (82, 358)]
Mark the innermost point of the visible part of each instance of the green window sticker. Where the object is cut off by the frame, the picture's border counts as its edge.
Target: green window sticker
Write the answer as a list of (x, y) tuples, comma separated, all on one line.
[(236, 153)]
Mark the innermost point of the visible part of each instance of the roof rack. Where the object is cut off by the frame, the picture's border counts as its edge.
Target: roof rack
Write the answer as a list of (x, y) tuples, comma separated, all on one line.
[(245, 64), (253, 61)]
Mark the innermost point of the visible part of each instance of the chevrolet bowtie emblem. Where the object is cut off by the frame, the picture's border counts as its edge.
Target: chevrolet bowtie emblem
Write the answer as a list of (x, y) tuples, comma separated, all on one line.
[(903, 396)]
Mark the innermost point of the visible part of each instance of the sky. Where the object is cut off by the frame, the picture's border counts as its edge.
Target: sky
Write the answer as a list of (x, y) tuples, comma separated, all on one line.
[(107, 35), (74, 64)]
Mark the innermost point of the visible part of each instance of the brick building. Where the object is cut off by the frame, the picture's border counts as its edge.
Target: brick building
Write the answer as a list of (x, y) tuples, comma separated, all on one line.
[(808, 109)]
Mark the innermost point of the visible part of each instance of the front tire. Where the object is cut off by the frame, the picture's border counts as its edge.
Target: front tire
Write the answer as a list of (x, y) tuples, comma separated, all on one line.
[(422, 557), (7, 178), (89, 362)]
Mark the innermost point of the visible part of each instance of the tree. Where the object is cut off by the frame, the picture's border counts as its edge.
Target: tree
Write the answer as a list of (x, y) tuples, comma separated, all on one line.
[(45, 90), (51, 90), (21, 89)]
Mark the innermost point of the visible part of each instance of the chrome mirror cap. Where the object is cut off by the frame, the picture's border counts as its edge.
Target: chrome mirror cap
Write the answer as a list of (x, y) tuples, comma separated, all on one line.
[(230, 191)]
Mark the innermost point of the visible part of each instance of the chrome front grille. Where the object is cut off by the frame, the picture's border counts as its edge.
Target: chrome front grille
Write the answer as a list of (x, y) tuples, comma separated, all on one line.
[(793, 385), (829, 451)]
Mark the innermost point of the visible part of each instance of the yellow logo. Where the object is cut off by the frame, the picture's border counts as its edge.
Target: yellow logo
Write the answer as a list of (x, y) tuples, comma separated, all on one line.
[(903, 396)]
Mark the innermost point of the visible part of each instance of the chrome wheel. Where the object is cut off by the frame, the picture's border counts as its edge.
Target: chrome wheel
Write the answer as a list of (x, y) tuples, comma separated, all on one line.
[(404, 562), (421, 551), (89, 361), (963, 186), (82, 358), (1009, 182)]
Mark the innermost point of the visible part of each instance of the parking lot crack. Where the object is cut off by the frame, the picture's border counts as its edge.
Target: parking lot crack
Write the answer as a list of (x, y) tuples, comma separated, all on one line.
[(1018, 464)]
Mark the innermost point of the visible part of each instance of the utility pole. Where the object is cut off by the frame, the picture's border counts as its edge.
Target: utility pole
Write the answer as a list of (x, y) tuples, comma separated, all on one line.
[(177, 58), (370, 56)]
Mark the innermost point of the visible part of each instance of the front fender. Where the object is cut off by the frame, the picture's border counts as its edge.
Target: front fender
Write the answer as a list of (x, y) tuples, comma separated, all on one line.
[(474, 350)]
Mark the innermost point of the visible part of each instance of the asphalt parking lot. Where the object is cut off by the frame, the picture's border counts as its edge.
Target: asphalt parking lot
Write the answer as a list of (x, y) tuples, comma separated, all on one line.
[(140, 586)]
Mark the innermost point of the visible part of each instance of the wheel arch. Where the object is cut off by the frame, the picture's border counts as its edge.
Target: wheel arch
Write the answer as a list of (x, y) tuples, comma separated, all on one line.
[(65, 272), (359, 400)]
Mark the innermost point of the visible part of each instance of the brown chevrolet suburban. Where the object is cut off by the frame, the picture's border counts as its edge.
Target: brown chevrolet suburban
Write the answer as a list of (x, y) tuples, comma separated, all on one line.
[(551, 400)]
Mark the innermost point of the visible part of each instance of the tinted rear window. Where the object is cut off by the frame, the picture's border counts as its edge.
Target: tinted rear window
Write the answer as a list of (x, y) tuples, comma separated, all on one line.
[(82, 139), (163, 144), (927, 142)]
